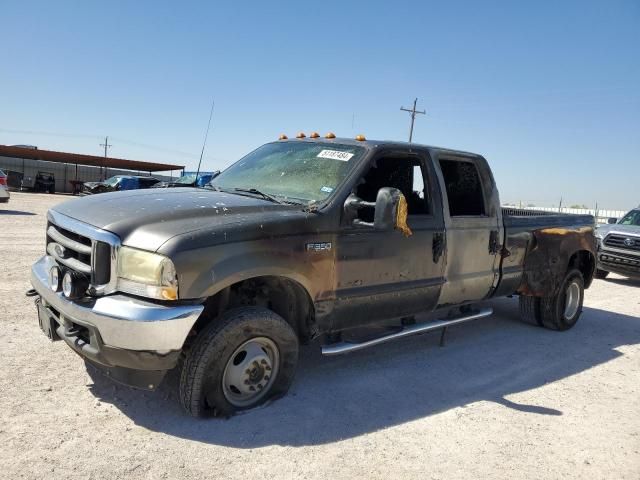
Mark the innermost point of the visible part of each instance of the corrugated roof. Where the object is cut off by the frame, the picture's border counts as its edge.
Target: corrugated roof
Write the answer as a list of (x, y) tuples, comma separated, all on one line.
[(81, 159)]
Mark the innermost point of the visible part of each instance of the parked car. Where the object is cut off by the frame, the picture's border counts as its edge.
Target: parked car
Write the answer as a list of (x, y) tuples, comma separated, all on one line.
[(619, 246), (189, 180), (118, 183), (300, 239), (42, 182), (4, 188)]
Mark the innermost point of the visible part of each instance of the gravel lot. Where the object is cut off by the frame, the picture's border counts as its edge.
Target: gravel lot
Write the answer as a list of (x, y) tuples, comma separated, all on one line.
[(501, 400)]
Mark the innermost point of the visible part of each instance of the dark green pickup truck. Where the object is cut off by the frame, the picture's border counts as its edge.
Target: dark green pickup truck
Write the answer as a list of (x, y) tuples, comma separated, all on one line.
[(300, 239)]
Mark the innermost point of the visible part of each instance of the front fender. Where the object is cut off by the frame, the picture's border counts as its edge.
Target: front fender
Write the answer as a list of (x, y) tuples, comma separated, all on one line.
[(204, 272)]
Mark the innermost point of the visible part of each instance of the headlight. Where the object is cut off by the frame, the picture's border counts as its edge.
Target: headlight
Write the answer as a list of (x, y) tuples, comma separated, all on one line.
[(146, 274)]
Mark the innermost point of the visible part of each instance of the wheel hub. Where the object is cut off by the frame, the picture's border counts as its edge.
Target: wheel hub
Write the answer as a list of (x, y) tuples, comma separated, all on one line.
[(250, 370), (572, 300)]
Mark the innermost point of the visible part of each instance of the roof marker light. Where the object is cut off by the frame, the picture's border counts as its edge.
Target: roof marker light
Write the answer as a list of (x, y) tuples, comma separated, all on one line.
[(282, 137), (330, 135), (300, 135), (314, 135), (360, 138)]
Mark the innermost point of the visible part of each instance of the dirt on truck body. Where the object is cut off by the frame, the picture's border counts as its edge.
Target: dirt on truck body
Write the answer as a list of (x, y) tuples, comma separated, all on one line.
[(300, 239)]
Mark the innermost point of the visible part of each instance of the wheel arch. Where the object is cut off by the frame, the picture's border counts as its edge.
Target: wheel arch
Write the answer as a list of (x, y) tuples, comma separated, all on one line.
[(584, 261), (281, 294)]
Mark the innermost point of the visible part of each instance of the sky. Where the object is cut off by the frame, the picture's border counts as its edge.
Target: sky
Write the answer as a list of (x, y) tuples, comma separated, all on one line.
[(547, 91)]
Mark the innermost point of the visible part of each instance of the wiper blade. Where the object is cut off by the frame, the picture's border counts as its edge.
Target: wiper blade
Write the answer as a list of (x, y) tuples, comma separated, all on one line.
[(254, 191)]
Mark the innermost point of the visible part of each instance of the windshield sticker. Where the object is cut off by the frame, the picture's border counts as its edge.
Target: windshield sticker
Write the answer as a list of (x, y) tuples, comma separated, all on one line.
[(326, 189), (335, 155)]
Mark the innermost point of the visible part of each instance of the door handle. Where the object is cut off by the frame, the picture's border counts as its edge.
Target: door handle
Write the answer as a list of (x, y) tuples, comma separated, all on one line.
[(438, 246), (493, 242)]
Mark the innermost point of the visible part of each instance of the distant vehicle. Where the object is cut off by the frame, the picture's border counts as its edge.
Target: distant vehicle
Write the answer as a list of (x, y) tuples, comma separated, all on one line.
[(42, 182), (4, 189), (619, 246), (118, 183), (189, 180)]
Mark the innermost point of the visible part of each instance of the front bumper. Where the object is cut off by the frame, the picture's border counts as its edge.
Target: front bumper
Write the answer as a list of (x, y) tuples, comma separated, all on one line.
[(620, 262), (116, 332)]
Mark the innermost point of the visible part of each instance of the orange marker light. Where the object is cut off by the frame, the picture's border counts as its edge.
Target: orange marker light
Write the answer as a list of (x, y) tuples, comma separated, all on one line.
[(330, 135), (314, 135), (282, 137), (360, 138), (300, 135)]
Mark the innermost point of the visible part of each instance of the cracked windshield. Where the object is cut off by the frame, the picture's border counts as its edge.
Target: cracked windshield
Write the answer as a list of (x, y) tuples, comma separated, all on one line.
[(300, 172)]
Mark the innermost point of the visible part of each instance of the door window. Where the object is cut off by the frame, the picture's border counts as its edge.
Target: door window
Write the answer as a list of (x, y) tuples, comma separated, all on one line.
[(405, 174), (464, 188)]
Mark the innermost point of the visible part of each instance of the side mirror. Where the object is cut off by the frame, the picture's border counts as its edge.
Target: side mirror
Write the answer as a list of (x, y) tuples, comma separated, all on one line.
[(390, 210), (612, 220)]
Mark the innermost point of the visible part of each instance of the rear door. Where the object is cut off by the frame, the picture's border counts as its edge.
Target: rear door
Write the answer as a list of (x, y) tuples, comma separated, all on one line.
[(473, 231)]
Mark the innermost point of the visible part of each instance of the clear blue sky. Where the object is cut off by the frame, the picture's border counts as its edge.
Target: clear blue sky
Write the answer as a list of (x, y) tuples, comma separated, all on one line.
[(549, 92)]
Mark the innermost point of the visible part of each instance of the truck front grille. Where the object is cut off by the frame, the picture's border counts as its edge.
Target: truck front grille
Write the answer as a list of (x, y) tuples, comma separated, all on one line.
[(83, 253), (623, 242)]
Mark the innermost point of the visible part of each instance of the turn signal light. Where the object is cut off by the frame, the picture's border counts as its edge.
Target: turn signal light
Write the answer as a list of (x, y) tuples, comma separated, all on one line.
[(360, 138), (330, 135), (282, 137), (300, 135)]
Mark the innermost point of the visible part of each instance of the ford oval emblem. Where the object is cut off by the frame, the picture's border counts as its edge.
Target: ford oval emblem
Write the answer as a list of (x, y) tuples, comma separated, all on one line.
[(629, 242)]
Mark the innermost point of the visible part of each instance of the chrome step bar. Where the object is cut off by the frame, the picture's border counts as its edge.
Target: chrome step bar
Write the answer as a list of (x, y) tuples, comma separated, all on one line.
[(345, 347)]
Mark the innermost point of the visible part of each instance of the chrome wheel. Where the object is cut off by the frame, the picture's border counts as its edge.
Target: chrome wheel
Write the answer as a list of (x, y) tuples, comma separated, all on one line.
[(250, 371), (572, 300)]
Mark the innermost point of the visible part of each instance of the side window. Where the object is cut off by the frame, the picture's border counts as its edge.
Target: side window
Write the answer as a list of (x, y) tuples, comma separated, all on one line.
[(405, 174), (464, 188)]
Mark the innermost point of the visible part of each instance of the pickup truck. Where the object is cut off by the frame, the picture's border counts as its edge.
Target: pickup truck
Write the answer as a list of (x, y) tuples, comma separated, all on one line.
[(118, 183), (619, 246), (301, 239)]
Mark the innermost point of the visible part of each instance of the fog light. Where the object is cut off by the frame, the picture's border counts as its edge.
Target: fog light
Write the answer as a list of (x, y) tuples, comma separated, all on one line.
[(74, 285), (55, 275)]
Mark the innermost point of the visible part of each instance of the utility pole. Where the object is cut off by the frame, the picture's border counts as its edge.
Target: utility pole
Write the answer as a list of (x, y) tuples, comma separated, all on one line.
[(413, 113), (106, 146)]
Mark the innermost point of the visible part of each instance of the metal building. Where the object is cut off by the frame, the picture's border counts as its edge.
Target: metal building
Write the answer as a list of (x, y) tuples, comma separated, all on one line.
[(24, 161)]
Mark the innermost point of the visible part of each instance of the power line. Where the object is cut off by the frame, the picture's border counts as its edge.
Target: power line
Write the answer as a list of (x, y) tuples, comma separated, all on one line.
[(413, 113)]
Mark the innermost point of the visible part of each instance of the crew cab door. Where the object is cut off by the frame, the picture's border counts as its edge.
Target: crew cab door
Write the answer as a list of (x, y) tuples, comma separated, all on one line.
[(473, 238), (383, 274)]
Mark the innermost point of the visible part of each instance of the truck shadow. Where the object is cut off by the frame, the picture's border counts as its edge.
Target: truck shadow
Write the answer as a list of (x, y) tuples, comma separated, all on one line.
[(335, 398), (15, 212)]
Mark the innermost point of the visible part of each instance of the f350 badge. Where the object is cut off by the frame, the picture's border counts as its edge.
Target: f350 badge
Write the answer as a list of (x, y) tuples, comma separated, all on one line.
[(318, 247)]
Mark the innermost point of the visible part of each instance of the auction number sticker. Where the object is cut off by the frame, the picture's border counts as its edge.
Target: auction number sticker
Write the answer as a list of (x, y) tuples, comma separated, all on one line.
[(335, 155)]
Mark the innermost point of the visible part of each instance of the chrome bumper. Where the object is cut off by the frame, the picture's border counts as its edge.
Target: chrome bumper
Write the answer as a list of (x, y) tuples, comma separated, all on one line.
[(122, 321)]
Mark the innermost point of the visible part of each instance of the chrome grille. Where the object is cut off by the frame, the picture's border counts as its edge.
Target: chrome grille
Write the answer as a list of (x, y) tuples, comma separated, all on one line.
[(77, 246), (624, 242)]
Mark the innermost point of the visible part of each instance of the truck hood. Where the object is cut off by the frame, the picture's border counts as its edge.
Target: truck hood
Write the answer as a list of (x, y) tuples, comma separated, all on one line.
[(146, 219), (617, 228)]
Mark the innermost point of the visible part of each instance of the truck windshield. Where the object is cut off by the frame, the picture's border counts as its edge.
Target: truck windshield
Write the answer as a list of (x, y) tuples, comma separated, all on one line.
[(305, 172), (631, 218)]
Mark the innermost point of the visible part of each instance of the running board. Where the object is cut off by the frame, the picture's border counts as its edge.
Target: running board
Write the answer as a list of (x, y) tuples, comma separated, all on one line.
[(345, 347)]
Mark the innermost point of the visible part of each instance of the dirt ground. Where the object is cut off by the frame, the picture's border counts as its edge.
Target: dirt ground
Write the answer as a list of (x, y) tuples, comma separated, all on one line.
[(501, 400)]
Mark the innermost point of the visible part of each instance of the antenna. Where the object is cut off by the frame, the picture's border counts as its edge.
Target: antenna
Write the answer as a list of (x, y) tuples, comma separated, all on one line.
[(213, 102)]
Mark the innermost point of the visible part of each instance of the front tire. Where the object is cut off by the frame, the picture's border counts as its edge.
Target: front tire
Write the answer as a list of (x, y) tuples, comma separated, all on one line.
[(244, 358), (562, 311)]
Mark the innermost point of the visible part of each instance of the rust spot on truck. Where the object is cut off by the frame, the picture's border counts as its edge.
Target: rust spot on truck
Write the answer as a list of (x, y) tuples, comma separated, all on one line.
[(551, 252)]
